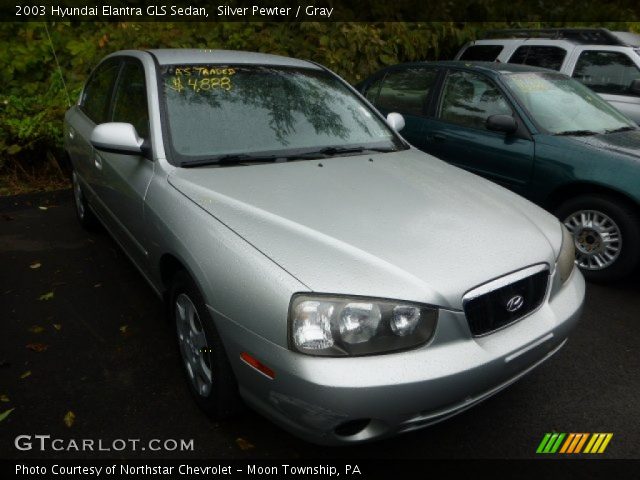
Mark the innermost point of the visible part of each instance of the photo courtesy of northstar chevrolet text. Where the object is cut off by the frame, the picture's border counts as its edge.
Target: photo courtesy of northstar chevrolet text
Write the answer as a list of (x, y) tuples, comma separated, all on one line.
[(309, 239)]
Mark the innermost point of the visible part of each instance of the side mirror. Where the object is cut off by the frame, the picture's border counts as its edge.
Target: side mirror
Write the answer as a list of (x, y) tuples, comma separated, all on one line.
[(117, 137), (395, 121), (635, 87), (502, 123)]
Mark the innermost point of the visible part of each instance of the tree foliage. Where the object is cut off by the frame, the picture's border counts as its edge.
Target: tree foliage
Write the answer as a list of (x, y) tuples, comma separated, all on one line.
[(33, 98)]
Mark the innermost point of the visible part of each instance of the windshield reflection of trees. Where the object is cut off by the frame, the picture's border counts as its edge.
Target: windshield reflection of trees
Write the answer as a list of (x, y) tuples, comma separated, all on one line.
[(284, 95)]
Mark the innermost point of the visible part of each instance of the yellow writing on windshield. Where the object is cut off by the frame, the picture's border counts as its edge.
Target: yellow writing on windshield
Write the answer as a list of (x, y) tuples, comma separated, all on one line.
[(201, 78), (528, 83)]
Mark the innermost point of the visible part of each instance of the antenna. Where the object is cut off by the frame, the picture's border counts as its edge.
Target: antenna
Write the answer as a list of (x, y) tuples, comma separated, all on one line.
[(53, 50)]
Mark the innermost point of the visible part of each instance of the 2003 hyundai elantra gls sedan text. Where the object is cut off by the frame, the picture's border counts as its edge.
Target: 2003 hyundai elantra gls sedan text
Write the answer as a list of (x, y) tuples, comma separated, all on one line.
[(341, 282)]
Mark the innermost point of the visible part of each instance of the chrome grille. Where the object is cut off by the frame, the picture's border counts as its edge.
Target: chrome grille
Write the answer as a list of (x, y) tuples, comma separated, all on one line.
[(500, 302)]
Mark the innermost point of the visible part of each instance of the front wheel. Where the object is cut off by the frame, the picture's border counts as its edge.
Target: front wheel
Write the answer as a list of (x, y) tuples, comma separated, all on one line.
[(606, 233), (209, 374)]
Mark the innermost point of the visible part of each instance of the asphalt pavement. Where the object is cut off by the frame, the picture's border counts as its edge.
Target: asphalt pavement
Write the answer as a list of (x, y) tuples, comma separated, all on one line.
[(85, 353)]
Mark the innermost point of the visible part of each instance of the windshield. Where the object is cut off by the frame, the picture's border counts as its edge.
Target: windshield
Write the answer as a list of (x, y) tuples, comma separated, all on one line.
[(217, 111), (561, 105)]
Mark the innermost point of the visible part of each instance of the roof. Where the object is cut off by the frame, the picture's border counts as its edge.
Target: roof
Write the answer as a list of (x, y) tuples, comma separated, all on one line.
[(192, 55), (495, 67), (586, 36)]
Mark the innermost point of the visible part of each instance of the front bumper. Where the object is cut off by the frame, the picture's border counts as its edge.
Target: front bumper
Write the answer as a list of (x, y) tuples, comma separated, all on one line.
[(398, 392)]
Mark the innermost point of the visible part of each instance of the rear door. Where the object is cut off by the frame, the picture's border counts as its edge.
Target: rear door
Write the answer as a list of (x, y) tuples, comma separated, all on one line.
[(458, 133), (609, 71), (125, 178), (405, 90)]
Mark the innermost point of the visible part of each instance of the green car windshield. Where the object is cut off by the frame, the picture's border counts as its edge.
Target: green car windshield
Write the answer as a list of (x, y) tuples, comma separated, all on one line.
[(253, 111), (561, 105)]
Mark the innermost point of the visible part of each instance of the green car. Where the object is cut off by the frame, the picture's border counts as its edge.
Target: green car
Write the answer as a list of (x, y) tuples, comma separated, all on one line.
[(534, 131)]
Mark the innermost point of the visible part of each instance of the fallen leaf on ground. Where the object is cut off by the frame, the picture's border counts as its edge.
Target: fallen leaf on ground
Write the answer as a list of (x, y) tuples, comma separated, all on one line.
[(124, 328), (244, 444), (26, 374), (69, 418), (36, 329), (37, 347), (35, 265), (46, 296), (57, 326), (5, 414), (4, 398), (42, 208)]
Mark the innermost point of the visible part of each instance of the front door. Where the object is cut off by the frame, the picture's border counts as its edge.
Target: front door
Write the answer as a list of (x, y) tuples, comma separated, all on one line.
[(125, 178), (458, 133)]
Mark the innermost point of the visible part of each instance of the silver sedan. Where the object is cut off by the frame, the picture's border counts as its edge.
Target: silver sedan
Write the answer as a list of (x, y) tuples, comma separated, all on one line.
[(314, 264)]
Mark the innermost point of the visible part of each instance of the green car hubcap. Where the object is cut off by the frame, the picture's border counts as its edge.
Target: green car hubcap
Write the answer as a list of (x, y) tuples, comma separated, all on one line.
[(597, 238)]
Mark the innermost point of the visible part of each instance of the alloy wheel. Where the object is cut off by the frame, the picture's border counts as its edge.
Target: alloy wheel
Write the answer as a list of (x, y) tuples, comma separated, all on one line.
[(194, 347), (597, 238)]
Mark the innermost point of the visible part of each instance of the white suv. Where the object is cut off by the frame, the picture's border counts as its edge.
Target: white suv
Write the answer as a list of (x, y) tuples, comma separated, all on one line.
[(607, 62)]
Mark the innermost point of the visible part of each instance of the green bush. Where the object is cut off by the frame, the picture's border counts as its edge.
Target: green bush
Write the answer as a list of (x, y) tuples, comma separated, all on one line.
[(33, 98)]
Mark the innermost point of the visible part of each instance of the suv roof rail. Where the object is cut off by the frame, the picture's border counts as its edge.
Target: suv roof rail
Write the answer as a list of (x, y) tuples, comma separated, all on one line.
[(598, 36)]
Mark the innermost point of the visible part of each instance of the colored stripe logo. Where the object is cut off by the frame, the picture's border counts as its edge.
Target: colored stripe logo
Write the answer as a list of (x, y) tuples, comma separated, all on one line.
[(574, 443)]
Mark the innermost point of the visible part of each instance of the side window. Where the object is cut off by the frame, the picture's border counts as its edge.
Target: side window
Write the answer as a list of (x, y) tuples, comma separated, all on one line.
[(539, 56), (482, 53), (96, 95), (371, 93), (130, 98), (406, 90), (469, 99), (606, 72)]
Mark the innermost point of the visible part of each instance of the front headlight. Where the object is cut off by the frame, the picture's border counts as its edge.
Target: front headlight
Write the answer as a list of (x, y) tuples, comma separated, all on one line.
[(337, 326), (566, 260)]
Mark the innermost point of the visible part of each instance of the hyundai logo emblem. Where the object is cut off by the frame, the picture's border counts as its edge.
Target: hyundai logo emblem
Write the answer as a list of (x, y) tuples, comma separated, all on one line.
[(515, 303)]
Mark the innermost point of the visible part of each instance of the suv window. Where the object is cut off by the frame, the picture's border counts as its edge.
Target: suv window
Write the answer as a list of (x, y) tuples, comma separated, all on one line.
[(469, 99), (405, 91), (539, 56), (96, 95), (130, 98), (482, 53), (606, 72)]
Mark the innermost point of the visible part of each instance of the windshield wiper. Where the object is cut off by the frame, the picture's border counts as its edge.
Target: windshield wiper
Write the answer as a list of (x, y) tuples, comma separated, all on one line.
[(243, 158), (621, 129), (225, 159), (356, 149), (577, 133)]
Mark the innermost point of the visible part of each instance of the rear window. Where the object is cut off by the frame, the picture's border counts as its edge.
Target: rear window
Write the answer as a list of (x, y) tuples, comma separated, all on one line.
[(539, 56), (482, 53)]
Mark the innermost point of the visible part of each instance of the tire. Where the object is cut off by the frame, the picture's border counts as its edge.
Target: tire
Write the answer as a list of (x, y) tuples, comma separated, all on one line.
[(596, 221), (201, 349), (85, 215)]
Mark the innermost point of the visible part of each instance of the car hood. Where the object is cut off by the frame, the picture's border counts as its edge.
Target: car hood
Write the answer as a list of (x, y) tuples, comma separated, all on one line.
[(398, 225), (625, 143)]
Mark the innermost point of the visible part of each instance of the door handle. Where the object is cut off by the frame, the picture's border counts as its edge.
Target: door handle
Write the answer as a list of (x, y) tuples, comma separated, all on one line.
[(98, 161), (439, 137)]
